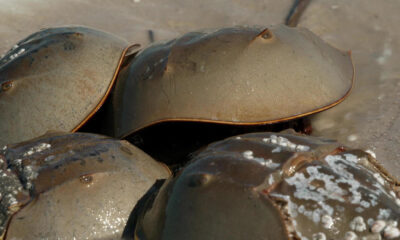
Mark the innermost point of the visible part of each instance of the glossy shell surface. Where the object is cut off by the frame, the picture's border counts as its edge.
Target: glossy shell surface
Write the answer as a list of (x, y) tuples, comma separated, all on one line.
[(236, 75), (275, 186), (55, 79), (73, 186)]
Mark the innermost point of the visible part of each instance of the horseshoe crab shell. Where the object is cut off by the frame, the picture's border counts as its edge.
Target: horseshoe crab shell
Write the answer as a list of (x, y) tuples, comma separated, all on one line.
[(235, 75), (80, 186), (55, 79), (274, 186)]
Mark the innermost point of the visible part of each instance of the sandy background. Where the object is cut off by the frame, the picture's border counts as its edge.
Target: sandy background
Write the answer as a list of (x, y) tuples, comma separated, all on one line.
[(369, 118), (132, 19)]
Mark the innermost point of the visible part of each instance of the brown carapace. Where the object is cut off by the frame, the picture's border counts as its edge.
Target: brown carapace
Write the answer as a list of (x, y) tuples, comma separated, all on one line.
[(174, 97), (238, 76), (273, 186), (72, 185), (56, 79)]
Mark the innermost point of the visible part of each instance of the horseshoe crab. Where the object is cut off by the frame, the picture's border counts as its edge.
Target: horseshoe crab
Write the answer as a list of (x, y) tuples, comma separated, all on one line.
[(233, 76), (273, 186), (237, 76), (72, 186), (56, 79)]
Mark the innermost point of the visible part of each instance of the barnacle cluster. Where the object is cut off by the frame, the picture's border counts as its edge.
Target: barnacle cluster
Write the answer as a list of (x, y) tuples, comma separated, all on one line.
[(314, 188)]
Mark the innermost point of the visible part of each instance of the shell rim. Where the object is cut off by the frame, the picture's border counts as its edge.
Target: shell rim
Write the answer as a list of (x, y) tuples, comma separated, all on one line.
[(109, 88)]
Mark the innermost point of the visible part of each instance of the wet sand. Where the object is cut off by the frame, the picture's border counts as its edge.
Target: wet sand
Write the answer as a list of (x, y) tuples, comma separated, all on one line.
[(131, 19), (370, 117)]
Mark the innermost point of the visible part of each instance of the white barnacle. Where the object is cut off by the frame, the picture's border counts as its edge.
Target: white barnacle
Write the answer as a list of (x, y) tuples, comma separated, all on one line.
[(392, 193), (41, 147), (267, 140), (283, 141), (373, 199), (11, 200), (384, 213), (350, 235), (391, 232), (358, 224), (18, 162), (378, 226), (372, 153), (301, 209), (269, 163), (248, 154), (397, 202), (22, 50), (13, 56), (365, 204), (28, 185), (276, 150), (379, 178), (302, 148), (281, 196), (38, 148), (271, 179), (291, 146), (29, 173), (28, 153), (327, 221)]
